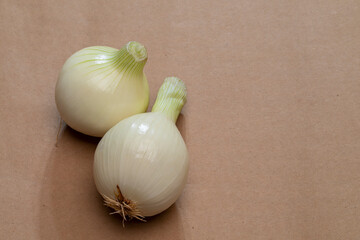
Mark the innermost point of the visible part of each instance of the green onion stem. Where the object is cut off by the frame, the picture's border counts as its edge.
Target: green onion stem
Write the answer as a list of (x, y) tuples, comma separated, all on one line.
[(171, 98)]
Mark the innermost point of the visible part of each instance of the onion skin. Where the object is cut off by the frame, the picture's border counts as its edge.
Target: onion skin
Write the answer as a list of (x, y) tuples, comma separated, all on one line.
[(99, 86), (146, 157)]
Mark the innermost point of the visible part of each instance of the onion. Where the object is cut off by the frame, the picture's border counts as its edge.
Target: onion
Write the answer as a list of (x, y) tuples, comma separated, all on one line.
[(99, 86), (141, 164)]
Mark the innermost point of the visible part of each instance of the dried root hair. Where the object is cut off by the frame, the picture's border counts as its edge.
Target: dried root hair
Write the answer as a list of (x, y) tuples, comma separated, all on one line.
[(125, 207)]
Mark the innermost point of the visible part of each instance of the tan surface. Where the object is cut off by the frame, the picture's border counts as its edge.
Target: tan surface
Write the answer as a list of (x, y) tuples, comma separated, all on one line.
[(272, 122)]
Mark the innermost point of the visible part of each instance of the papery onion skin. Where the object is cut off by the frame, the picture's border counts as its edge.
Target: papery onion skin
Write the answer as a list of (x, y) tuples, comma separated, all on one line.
[(145, 157), (99, 86)]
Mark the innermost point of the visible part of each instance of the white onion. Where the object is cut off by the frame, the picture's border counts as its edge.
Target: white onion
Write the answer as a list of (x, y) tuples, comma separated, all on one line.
[(141, 164), (99, 86)]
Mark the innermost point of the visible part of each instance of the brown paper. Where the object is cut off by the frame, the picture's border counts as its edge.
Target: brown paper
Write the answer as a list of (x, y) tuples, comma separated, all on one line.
[(271, 124)]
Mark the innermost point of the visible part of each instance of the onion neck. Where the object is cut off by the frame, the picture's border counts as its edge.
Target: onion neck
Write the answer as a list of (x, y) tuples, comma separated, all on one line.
[(171, 98), (131, 58)]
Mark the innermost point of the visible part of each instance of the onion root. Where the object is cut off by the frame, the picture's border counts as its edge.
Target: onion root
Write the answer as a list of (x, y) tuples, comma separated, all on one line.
[(125, 207)]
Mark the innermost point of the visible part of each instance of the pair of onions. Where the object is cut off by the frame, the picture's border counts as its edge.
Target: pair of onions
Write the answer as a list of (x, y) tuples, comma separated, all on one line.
[(141, 163)]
